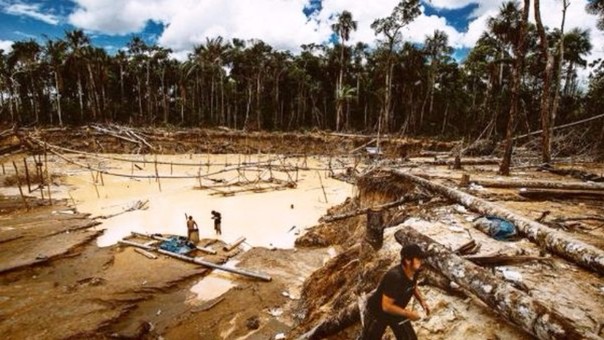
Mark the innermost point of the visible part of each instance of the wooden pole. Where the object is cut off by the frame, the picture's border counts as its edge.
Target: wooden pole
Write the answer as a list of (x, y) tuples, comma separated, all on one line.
[(40, 174), (260, 276), (322, 187), (27, 175), (557, 242), (19, 185), (145, 253), (233, 245), (47, 174), (157, 175), (513, 304)]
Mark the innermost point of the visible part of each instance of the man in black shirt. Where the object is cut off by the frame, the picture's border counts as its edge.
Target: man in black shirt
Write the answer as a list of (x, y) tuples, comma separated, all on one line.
[(388, 305), (217, 217)]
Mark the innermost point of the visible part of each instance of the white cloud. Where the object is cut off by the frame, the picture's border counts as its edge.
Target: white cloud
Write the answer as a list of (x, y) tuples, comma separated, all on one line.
[(283, 25), (30, 10), (6, 45)]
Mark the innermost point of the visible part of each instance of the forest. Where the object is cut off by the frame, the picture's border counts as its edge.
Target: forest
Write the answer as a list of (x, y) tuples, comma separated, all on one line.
[(519, 76)]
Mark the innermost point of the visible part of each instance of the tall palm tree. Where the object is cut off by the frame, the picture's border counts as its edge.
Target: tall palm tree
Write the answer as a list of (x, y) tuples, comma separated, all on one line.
[(343, 27), (403, 14), (25, 56), (436, 47), (55, 54), (577, 44), (597, 7), (519, 46), (77, 40)]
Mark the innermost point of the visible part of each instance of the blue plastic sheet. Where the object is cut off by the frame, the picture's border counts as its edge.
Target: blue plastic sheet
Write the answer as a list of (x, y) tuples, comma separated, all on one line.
[(498, 228), (177, 244)]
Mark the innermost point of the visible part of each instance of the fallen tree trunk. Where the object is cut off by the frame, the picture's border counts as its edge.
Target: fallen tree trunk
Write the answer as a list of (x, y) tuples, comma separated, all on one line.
[(545, 194), (574, 173), (514, 305), (463, 162), (557, 242), (403, 200), (539, 184)]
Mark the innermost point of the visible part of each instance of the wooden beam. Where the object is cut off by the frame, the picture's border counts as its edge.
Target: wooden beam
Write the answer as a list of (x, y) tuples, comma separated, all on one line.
[(243, 272), (232, 246)]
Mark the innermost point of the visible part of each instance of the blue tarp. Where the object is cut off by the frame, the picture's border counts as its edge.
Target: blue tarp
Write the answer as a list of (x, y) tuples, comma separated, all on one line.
[(496, 227), (177, 244)]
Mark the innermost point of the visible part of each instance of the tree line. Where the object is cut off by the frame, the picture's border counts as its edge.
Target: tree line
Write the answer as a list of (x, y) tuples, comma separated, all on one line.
[(519, 75)]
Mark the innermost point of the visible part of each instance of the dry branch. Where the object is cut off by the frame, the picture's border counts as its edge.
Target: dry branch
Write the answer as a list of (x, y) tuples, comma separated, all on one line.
[(557, 242), (514, 305)]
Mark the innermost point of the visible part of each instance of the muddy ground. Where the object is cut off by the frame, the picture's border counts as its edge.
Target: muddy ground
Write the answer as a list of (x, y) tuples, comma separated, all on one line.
[(58, 283)]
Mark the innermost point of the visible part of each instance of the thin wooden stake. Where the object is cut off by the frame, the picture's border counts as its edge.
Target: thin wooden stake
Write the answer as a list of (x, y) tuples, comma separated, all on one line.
[(157, 175), (47, 174), (322, 187), (19, 184), (27, 175), (3, 170)]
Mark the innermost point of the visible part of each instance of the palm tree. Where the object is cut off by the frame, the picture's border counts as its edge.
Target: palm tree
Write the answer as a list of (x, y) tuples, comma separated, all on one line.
[(25, 57), (403, 14), (76, 41), (436, 47), (55, 55), (597, 7), (342, 28), (577, 44), (519, 45)]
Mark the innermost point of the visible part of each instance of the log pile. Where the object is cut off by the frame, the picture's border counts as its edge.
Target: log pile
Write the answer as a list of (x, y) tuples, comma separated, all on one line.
[(557, 242)]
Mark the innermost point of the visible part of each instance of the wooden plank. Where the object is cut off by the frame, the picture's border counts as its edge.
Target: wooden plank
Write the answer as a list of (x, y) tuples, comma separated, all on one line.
[(243, 272), (232, 246), (146, 253)]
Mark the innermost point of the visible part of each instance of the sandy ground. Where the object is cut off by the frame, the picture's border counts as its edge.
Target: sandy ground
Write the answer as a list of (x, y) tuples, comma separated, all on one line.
[(127, 295), (101, 290)]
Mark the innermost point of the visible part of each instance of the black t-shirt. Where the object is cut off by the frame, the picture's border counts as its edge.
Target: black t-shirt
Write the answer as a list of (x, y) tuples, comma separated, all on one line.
[(217, 217), (395, 285)]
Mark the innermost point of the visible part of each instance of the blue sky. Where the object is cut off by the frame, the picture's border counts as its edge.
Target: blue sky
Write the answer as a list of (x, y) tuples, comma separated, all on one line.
[(284, 24)]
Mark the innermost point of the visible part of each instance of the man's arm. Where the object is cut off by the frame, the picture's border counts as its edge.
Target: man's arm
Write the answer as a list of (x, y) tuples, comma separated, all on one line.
[(421, 300), (390, 307)]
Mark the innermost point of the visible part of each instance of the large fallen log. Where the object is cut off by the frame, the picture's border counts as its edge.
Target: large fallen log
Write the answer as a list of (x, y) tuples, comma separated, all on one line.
[(557, 242), (463, 162), (514, 305), (401, 201), (574, 173), (539, 184), (547, 194)]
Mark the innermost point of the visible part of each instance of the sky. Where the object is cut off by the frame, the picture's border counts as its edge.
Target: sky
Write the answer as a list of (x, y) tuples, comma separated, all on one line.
[(284, 24)]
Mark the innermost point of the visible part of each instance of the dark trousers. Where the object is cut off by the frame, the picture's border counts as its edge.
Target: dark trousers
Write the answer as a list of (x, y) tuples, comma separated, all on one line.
[(375, 326)]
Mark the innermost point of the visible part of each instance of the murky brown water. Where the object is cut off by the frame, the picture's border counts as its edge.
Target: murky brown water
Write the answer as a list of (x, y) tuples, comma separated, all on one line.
[(264, 219)]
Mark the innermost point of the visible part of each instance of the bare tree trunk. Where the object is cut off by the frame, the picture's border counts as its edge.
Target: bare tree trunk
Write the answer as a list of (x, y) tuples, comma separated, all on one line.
[(80, 96), (556, 89), (504, 169), (546, 94), (555, 241), (59, 113)]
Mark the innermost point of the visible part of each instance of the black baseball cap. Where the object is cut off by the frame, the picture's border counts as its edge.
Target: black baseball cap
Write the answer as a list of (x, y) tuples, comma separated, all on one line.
[(412, 251)]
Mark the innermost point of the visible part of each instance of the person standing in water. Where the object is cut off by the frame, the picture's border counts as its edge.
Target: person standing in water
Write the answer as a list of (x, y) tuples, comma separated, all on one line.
[(217, 217)]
